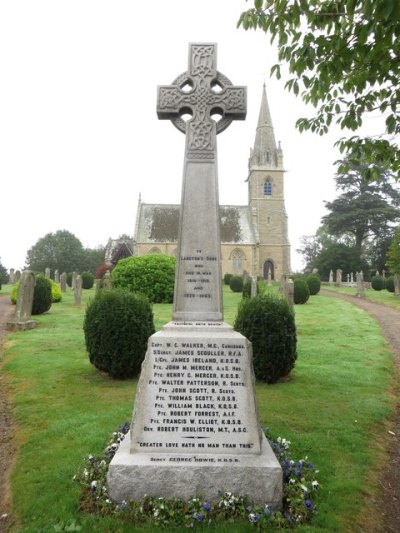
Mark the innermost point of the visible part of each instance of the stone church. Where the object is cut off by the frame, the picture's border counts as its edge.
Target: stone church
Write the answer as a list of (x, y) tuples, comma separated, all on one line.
[(254, 237)]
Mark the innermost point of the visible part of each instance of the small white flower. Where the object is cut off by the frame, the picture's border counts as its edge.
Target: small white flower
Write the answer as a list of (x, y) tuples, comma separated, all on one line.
[(305, 489), (315, 484), (292, 481), (93, 484)]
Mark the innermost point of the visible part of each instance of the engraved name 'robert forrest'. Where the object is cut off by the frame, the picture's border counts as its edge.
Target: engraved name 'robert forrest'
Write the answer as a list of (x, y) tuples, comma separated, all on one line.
[(196, 391)]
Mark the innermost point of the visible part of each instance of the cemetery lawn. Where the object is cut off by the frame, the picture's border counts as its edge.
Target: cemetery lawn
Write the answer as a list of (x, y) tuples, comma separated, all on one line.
[(333, 408), (384, 297)]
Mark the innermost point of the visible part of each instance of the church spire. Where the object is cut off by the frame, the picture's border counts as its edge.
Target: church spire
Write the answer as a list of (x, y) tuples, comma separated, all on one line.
[(265, 152)]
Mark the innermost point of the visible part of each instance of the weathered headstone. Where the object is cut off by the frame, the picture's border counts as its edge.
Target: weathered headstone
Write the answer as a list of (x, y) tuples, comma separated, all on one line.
[(11, 276), (338, 277), (107, 281), (47, 272), (195, 428), (331, 277), (290, 293), (17, 276), (253, 293), (97, 284), (396, 279), (384, 273), (348, 278), (360, 284), (73, 282), (78, 290), (63, 282), (22, 319), (351, 277), (56, 276)]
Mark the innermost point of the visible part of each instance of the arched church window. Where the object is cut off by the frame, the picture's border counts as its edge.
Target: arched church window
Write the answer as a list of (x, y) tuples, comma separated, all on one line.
[(237, 261), (269, 270), (267, 188)]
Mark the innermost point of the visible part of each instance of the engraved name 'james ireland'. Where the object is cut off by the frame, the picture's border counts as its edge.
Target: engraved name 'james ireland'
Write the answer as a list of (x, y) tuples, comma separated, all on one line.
[(196, 392)]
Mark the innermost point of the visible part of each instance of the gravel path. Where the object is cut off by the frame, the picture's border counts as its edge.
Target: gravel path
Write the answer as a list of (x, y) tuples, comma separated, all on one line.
[(387, 318)]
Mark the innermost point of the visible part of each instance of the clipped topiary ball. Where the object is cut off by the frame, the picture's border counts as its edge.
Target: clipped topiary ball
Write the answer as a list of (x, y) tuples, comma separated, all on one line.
[(268, 322), (378, 283), (227, 278), (117, 326), (314, 284), (152, 275), (236, 283), (389, 284), (301, 291), (42, 297), (87, 280)]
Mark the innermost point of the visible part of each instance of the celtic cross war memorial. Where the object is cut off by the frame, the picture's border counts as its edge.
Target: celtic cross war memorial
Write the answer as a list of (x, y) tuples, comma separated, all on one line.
[(195, 428)]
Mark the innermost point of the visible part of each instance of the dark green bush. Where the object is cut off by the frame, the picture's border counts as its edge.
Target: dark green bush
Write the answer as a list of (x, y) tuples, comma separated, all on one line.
[(246, 292), (42, 297), (268, 322), (378, 283), (69, 279), (117, 326), (152, 275), (389, 284), (314, 284), (87, 280), (236, 283), (301, 291), (227, 278)]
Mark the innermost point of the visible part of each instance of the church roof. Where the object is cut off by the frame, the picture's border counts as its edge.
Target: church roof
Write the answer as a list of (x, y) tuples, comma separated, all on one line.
[(157, 223)]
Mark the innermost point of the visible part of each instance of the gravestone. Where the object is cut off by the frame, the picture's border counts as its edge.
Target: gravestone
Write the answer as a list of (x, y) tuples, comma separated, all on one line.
[(107, 281), (396, 280), (194, 427), (331, 277), (22, 319), (56, 276), (63, 282), (360, 284), (97, 284), (17, 276), (78, 290), (253, 293), (338, 277), (47, 272), (73, 282), (12, 276)]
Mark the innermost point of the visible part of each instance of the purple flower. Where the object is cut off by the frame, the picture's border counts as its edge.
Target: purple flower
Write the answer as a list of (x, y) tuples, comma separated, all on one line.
[(207, 507), (199, 517), (308, 504)]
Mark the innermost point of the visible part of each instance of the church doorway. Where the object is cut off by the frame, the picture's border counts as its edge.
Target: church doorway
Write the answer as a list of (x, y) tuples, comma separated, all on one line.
[(269, 272)]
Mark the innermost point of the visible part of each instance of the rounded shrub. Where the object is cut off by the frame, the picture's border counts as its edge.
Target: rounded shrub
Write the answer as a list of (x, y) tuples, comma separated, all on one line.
[(117, 326), (56, 295), (42, 297), (227, 278), (69, 279), (389, 284), (87, 280), (314, 284), (378, 283), (152, 275), (268, 322), (236, 283), (246, 292), (301, 291)]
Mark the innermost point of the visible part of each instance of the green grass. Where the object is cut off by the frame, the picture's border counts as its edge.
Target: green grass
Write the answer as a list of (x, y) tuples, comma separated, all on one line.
[(332, 408), (384, 297)]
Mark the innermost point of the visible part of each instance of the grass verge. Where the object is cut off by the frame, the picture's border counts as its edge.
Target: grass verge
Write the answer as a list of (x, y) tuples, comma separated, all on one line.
[(332, 408)]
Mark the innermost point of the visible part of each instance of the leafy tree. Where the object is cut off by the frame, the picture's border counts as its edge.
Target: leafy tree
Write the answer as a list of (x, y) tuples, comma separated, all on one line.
[(342, 57), (339, 255), (92, 258), (60, 250), (364, 209), (393, 255)]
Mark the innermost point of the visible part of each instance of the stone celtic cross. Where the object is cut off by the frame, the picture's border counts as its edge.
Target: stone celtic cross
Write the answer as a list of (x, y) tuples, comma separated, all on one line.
[(203, 93)]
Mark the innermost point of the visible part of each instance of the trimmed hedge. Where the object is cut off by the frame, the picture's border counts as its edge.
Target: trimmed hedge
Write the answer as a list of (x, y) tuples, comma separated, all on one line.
[(227, 278), (152, 275), (268, 322), (117, 326), (389, 284), (87, 280), (42, 297), (314, 284), (378, 283), (301, 291), (56, 295), (236, 283)]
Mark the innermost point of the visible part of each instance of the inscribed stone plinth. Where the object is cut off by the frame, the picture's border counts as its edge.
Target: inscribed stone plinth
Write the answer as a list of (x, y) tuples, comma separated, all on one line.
[(22, 319), (195, 428)]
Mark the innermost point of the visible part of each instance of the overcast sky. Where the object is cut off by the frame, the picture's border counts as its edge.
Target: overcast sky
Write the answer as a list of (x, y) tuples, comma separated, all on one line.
[(79, 134)]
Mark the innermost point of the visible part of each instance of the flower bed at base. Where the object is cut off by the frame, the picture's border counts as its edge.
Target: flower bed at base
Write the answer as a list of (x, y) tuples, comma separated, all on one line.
[(299, 487)]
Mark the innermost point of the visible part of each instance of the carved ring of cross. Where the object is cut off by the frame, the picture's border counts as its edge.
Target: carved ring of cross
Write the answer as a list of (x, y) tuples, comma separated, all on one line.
[(221, 81)]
